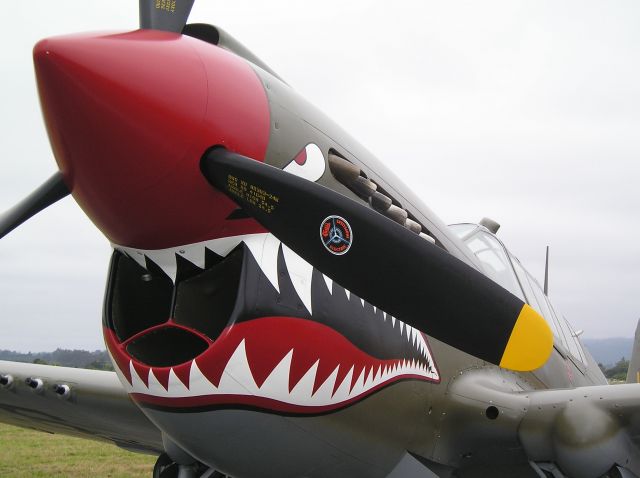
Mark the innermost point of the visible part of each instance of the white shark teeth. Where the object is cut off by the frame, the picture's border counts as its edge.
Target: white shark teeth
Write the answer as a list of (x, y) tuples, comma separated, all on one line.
[(237, 377), (348, 292), (193, 255), (422, 346), (412, 337), (324, 393), (176, 387), (303, 390), (300, 273), (134, 254), (136, 381), (155, 387), (358, 387), (256, 246), (198, 383), (165, 259), (278, 380), (377, 377), (342, 393), (269, 263), (369, 378), (329, 283), (224, 245), (264, 249), (125, 381)]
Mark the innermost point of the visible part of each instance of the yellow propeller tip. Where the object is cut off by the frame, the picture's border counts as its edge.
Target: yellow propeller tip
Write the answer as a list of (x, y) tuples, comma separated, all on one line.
[(530, 343)]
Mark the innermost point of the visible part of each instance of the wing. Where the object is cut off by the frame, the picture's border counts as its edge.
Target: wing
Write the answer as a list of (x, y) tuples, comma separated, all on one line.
[(83, 403), (584, 431)]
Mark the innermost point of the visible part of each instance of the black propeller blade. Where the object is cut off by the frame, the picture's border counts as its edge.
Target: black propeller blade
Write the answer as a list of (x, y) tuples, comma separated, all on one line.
[(385, 263), (168, 15), (51, 191)]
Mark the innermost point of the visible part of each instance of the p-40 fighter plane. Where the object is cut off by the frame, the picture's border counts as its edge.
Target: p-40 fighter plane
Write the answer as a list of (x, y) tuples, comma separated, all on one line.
[(278, 304)]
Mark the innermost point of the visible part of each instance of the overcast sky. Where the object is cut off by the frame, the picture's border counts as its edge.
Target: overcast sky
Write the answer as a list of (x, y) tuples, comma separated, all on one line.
[(526, 112)]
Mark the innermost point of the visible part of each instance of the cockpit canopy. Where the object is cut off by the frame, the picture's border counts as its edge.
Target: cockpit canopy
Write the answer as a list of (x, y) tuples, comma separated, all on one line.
[(505, 269)]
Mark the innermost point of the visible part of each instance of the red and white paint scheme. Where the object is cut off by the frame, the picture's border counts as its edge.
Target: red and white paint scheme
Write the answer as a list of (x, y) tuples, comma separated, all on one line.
[(284, 364)]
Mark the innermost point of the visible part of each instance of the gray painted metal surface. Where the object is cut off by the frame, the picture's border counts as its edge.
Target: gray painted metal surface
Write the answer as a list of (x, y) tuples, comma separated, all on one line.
[(633, 373), (585, 430), (295, 122), (97, 407), (366, 439)]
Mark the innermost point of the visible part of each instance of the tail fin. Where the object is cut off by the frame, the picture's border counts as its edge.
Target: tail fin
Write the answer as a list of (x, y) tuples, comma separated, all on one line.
[(633, 374)]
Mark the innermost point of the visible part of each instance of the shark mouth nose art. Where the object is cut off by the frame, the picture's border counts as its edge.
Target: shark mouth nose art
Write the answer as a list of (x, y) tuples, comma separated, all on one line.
[(286, 338)]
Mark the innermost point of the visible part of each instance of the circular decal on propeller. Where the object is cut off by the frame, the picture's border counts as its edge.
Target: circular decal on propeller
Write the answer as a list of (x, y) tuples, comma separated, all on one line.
[(336, 235)]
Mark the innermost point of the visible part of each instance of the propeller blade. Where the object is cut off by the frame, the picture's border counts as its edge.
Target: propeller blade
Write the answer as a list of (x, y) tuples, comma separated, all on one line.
[(51, 191), (167, 15), (385, 263)]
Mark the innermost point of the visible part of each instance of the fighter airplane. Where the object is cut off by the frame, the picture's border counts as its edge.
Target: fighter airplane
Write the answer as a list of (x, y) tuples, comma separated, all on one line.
[(278, 303)]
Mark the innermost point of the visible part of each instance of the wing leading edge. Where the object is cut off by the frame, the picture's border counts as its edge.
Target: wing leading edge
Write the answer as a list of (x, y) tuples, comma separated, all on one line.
[(95, 406)]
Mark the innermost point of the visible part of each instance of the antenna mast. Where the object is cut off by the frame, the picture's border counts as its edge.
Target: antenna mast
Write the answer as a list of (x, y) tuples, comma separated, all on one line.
[(546, 274)]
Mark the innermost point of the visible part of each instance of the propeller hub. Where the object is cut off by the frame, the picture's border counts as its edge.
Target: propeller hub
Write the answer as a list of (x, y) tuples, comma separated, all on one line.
[(129, 116)]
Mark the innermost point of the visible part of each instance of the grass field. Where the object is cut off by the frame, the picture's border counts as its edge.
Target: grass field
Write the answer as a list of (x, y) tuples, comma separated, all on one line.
[(27, 453)]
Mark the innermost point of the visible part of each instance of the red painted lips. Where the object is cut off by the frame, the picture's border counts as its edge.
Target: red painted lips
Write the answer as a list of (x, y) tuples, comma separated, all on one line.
[(284, 364)]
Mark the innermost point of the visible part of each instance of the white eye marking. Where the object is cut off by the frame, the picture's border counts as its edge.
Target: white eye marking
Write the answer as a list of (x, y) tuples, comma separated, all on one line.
[(312, 168)]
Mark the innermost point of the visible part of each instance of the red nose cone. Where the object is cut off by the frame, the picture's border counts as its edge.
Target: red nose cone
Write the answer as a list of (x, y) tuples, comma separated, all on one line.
[(129, 117)]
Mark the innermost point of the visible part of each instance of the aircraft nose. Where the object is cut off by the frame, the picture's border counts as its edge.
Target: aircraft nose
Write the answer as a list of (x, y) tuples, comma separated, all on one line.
[(129, 116)]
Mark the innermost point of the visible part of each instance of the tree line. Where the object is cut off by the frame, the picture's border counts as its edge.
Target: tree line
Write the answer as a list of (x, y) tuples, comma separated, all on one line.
[(96, 360), (616, 373)]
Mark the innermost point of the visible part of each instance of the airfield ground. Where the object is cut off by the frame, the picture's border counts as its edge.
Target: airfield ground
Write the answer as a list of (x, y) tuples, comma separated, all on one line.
[(28, 453)]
